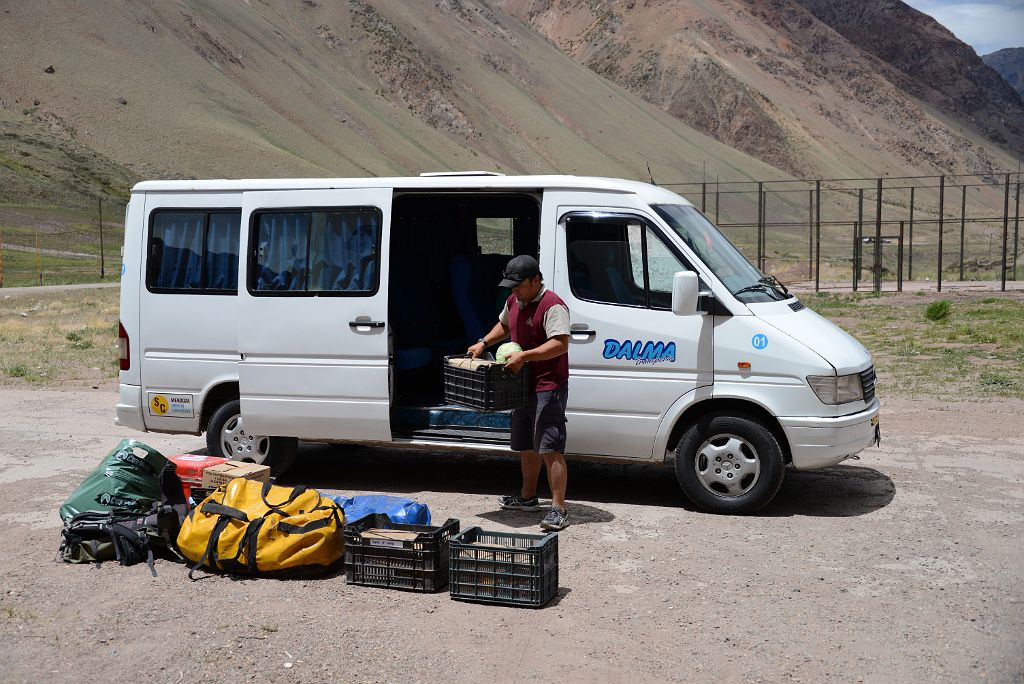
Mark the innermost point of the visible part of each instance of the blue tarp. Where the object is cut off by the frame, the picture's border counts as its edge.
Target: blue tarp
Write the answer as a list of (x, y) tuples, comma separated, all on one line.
[(400, 510)]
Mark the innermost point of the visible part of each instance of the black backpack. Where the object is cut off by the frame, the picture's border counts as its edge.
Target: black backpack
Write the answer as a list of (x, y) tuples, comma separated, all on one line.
[(129, 537)]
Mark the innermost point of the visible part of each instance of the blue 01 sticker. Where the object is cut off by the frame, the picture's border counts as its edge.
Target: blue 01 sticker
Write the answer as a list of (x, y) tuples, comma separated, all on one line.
[(760, 341)]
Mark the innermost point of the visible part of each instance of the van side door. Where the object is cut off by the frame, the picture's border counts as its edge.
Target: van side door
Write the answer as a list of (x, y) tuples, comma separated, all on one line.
[(630, 357), (313, 327)]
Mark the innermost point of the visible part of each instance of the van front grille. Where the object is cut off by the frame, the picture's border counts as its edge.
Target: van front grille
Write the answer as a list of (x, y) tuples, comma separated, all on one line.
[(867, 381)]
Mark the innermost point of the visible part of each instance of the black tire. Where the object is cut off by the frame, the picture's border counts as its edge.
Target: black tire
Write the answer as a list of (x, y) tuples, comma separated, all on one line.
[(748, 474), (226, 436)]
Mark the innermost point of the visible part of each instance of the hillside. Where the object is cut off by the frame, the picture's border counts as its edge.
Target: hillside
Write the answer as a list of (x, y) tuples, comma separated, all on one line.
[(942, 70), (95, 95), (207, 88), (770, 78), (1008, 63)]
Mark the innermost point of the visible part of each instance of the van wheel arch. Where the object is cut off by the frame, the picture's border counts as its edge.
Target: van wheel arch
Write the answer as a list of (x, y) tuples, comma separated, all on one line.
[(216, 396), (225, 417), (732, 407)]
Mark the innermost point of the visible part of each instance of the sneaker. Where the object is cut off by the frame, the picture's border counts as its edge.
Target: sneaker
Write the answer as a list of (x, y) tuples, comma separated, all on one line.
[(555, 520), (514, 502)]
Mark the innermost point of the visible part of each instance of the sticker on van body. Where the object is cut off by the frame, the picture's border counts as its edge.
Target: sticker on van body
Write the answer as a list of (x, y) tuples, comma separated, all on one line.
[(759, 341), (641, 351), (171, 405)]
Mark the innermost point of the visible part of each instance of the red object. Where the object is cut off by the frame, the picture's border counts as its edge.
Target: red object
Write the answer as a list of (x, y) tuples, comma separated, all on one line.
[(189, 468), (125, 360)]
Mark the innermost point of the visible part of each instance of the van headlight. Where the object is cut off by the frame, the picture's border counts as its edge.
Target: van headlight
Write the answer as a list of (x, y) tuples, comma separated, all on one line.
[(832, 389)]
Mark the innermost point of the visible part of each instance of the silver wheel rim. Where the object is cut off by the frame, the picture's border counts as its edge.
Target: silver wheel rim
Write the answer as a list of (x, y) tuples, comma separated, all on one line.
[(238, 444), (727, 465)]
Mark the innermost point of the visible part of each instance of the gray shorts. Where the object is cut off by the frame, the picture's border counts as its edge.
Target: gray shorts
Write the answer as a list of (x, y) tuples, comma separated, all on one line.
[(540, 426)]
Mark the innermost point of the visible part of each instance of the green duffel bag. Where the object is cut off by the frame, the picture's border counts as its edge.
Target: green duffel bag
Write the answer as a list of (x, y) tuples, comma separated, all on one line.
[(126, 481)]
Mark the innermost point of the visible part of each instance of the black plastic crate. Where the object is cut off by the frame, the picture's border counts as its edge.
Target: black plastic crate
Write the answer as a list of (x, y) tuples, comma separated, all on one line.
[(509, 568), (488, 388), (417, 564)]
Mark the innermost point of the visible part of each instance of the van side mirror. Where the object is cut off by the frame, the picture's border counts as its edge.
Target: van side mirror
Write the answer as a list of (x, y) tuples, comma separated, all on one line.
[(684, 293)]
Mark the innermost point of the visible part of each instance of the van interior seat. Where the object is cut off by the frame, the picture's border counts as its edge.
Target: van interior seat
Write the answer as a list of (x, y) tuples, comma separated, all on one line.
[(598, 264), (478, 298)]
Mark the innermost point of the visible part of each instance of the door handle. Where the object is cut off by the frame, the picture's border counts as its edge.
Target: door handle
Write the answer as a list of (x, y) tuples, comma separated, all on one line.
[(582, 330), (366, 324)]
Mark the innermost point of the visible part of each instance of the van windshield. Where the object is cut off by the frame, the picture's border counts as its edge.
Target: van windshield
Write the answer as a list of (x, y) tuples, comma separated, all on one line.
[(743, 280)]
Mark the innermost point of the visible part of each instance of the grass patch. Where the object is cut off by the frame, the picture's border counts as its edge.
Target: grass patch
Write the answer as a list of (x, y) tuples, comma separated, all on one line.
[(63, 338), (938, 311), (962, 345)]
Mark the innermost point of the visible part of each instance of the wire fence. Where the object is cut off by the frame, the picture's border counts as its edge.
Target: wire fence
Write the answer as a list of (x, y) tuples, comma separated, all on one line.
[(872, 233), (839, 233), (59, 249)]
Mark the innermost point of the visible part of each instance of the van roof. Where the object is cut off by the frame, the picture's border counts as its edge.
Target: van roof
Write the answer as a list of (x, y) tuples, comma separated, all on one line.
[(650, 194)]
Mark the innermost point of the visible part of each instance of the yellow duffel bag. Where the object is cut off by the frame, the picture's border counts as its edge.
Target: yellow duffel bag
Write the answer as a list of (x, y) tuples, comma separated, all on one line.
[(258, 528)]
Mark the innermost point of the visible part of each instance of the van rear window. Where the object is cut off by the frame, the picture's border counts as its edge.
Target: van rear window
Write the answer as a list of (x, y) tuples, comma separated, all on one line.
[(329, 251), (193, 251)]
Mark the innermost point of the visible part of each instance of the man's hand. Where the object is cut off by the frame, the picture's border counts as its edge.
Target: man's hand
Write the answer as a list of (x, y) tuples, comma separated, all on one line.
[(515, 361), (475, 350)]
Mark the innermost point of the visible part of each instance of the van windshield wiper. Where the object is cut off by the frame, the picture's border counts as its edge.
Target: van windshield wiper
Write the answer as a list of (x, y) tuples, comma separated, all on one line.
[(761, 286), (774, 282)]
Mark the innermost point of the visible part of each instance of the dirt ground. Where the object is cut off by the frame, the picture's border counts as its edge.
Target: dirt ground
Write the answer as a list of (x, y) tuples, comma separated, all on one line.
[(903, 566)]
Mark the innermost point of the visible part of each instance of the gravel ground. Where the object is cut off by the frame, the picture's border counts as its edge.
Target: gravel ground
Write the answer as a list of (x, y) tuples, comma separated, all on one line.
[(903, 566)]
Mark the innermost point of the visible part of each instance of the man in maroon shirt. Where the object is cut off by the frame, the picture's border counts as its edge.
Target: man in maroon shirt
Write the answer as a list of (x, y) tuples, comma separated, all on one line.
[(538, 321)]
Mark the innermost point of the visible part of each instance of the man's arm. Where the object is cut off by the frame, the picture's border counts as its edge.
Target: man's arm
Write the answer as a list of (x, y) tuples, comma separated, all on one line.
[(497, 334), (554, 347)]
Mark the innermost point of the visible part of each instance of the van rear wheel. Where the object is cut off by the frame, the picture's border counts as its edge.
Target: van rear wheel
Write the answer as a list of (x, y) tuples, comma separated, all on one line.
[(226, 436), (729, 464)]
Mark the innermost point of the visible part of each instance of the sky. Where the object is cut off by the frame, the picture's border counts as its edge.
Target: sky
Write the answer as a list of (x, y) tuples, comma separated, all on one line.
[(986, 26)]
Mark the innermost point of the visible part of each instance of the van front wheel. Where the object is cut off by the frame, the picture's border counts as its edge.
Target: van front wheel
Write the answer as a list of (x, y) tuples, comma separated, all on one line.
[(729, 464), (226, 436)]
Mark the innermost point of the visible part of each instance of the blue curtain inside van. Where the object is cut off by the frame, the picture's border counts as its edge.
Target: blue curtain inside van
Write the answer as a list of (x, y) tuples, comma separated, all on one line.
[(177, 254), (317, 251)]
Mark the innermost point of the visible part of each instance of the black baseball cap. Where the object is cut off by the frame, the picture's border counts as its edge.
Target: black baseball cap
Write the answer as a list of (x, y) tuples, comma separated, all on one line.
[(518, 269)]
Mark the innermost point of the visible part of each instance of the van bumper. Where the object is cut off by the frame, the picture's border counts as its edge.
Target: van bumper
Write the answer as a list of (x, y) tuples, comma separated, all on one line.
[(129, 408), (822, 442)]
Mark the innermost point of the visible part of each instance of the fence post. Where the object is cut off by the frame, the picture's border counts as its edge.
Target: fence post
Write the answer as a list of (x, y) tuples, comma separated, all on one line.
[(942, 200), (39, 266), (878, 237), (1006, 225), (764, 230), (716, 199), (810, 234), (963, 221), (856, 251), (817, 235), (760, 227), (1, 259), (703, 197), (899, 262), (860, 231), (102, 263), (910, 239), (1017, 223)]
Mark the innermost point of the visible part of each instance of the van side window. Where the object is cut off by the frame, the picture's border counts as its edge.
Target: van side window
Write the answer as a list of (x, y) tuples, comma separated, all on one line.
[(193, 251), (316, 251), (620, 260)]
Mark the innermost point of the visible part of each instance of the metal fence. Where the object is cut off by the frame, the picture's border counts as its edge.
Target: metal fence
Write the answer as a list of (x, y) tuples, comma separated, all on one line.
[(872, 233), (50, 247), (839, 233)]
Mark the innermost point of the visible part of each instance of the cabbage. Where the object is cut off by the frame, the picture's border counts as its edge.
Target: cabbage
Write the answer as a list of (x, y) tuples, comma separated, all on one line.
[(504, 350)]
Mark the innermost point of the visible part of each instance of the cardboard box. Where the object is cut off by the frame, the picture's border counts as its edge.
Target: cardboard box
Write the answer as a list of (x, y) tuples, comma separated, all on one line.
[(216, 475)]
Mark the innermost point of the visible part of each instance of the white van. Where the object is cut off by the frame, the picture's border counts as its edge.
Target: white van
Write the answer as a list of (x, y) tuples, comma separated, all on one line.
[(264, 312)]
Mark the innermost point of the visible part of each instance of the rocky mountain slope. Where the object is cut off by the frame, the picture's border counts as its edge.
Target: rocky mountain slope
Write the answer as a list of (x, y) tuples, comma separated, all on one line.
[(238, 88), (776, 81), (941, 69), (740, 89), (1009, 63)]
